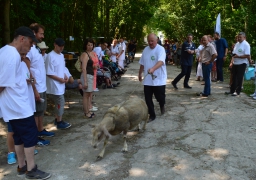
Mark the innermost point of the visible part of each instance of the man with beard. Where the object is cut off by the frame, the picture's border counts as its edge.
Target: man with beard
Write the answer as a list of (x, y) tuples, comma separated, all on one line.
[(35, 63)]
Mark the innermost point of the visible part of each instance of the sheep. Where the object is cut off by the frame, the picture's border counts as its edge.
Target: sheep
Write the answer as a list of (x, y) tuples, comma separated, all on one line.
[(120, 118)]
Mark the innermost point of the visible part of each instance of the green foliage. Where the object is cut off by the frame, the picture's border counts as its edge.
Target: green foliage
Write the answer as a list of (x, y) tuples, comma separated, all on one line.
[(134, 18), (176, 18)]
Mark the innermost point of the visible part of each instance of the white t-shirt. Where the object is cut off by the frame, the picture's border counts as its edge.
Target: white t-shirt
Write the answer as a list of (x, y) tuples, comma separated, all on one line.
[(198, 50), (31, 96), (122, 47), (15, 103), (98, 50), (66, 71), (55, 65), (241, 49), (44, 56), (37, 68), (148, 59), (114, 50)]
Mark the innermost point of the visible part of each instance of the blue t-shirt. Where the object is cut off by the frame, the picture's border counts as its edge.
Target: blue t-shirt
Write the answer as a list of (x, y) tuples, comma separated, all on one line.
[(221, 46), (186, 58)]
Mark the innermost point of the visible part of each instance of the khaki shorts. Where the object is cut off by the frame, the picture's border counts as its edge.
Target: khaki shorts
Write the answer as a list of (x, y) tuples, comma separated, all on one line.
[(89, 82), (41, 106)]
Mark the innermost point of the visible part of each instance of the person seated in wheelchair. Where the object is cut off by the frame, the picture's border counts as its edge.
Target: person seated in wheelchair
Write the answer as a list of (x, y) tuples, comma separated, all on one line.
[(104, 76), (73, 83)]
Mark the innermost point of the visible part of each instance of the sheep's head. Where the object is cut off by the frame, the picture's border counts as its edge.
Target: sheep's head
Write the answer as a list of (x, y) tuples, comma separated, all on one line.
[(98, 133)]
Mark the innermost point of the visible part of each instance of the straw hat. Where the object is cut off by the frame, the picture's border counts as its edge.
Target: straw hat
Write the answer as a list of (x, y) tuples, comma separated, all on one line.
[(42, 45)]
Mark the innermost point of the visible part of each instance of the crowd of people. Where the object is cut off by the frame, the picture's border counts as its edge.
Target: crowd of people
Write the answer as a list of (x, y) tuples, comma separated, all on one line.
[(183, 54), (30, 76)]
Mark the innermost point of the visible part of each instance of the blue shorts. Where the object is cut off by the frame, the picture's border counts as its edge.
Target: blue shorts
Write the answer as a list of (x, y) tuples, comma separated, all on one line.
[(25, 131), (73, 85), (9, 127), (130, 53)]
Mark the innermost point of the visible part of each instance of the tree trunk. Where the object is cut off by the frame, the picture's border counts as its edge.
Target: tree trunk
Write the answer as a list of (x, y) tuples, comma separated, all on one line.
[(6, 22)]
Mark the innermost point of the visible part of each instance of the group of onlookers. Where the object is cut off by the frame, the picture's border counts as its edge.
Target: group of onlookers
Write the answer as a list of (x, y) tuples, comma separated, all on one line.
[(215, 51), (28, 74)]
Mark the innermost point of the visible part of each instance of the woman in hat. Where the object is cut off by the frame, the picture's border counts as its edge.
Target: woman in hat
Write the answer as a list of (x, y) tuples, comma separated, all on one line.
[(43, 48)]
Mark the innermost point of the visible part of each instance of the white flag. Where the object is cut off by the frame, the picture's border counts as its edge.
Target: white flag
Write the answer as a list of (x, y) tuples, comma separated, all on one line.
[(218, 26)]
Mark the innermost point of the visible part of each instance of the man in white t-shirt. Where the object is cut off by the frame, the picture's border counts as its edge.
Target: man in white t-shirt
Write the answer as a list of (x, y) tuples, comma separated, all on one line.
[(241, 54), (121, 55), (152, 63), (16, 104), (56, 79), (35, 62)]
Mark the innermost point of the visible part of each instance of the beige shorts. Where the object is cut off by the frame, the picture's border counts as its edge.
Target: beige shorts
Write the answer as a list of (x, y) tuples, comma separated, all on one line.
[(89, 82)]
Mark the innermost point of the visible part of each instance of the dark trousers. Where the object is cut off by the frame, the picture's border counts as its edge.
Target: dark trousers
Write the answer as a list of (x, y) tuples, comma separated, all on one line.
[(219, 67), (185, 71), (207, 73), (237, 76), (159, 93)]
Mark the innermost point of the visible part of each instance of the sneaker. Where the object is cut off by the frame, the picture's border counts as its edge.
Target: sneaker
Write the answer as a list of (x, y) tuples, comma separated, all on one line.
[(96, 90), (22, 171), (42, 142), (37, 174), (63, 125), (35, 152), (253, 95), (234, 94), (93, 109), (46, 133), (11, 159)]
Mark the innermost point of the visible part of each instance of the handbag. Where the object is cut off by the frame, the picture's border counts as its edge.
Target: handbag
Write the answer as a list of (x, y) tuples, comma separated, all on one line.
[(78, 65)]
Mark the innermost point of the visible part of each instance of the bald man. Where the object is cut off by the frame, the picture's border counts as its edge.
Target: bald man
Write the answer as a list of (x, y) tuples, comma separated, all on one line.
[(208, 54), (152, 63)]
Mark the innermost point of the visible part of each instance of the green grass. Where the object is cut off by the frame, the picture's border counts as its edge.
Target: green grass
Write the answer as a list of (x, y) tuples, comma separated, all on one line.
[(248, 85)]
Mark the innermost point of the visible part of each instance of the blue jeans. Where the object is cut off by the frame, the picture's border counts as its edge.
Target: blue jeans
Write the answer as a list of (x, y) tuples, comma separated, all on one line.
[(207, 73), (219, 67)]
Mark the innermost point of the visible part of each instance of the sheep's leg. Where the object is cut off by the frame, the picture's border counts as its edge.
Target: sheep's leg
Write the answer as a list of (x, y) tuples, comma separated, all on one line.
[(145, 123), (138, 128), (100, 156), (125, 148)]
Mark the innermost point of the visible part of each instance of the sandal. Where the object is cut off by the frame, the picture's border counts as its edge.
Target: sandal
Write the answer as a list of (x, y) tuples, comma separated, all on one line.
[(85, 114)]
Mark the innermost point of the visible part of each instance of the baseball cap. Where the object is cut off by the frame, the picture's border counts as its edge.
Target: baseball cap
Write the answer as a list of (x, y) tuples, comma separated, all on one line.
[(59, 42), (25, 31)]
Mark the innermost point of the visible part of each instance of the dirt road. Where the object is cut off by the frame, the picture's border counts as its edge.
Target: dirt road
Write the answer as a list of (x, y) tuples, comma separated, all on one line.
[(196, 139)]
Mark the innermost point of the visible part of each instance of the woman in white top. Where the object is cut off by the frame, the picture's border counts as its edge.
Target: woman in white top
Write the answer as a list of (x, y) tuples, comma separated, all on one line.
[(199, 72), (114, 50)]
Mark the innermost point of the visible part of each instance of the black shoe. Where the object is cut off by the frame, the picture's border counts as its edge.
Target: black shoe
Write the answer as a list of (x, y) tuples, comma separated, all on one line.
[(174, 85), (201, 94), (162, 110), (188, 87), (151, 119), (227, 93)]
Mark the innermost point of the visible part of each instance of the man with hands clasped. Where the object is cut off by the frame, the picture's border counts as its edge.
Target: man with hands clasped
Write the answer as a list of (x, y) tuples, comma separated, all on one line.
[(207, 55), (56, 79), (152, 63)]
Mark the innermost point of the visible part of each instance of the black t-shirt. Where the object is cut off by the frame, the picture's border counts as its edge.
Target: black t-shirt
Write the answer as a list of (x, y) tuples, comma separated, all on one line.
[(131, 47), (186, 58)]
